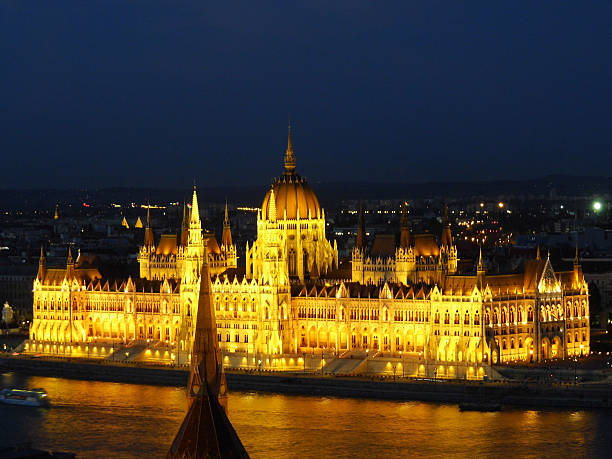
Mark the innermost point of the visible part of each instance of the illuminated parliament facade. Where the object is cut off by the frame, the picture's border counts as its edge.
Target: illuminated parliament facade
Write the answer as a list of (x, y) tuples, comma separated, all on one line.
[(290, 298)]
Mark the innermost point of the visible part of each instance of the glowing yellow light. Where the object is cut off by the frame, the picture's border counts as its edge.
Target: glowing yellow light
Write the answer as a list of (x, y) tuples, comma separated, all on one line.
[(500, 205), (597, 206)]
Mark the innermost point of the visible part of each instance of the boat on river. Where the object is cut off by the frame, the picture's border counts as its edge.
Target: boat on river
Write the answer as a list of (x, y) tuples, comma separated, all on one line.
[(25, 397)]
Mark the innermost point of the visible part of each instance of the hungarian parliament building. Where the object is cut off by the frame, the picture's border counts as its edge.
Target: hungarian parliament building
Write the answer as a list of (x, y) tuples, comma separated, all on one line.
[(290, 298)]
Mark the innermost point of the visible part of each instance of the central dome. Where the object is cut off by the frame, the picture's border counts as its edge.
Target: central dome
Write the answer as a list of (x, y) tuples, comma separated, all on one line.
[(291, 193)]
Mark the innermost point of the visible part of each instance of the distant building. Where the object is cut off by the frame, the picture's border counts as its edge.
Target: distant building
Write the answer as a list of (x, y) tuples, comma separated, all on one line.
[(7, 314)]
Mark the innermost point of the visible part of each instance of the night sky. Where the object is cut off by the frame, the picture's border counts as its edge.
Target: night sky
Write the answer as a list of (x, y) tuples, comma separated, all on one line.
[(155, 94)]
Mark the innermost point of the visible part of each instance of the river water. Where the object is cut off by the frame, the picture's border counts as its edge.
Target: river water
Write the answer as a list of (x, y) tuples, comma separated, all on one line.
[(111, 420)]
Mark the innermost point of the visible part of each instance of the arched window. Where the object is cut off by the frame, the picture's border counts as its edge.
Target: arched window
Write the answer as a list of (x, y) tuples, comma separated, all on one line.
[(447, 317), (466, 319), (530, 315), (512, 317), (457, 318), (495, 321), (519, 315), (437, 317), (476, 318), (503, 317)]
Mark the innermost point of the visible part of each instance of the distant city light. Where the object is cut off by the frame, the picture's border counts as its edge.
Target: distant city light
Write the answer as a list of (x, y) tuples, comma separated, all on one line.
[(482, 204), (500, 205), (597, 206)]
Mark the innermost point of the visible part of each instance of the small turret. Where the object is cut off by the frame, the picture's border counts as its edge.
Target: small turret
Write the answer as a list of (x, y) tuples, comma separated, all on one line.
[(538, 253)]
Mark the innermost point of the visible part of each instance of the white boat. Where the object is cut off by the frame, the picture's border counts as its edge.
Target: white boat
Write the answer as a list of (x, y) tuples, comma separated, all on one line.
[(25, 397)]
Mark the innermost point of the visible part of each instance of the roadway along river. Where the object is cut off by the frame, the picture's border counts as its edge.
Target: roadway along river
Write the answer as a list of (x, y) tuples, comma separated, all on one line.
[(111, 420)]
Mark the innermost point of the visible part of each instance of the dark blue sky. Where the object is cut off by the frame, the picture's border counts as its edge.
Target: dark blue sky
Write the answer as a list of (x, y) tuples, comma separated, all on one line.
[(151, 93)]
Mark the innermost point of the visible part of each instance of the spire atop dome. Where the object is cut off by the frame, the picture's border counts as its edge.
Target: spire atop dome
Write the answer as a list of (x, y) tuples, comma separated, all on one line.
[(289, 157)]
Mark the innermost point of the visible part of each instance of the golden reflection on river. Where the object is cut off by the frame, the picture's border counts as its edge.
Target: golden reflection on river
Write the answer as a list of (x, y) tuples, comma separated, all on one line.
[(112, 420)]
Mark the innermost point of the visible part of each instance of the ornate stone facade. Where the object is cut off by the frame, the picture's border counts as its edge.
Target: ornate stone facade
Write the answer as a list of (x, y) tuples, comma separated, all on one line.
[(291, 301)]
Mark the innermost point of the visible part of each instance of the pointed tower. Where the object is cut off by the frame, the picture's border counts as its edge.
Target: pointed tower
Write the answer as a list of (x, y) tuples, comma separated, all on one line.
[(538, 253), (226, 239), (272, 208), (185, 226), (289, 156), (206, 431), (447, 238), (69, 265), (405, 239), (42, 265), (361, 243), (195, 224), (149, 238), (481, 271), (125, 224), (578, 275)]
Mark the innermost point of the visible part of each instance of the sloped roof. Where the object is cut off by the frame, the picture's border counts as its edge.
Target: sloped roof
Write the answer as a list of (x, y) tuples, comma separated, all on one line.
[(167, 245), (383, 245)]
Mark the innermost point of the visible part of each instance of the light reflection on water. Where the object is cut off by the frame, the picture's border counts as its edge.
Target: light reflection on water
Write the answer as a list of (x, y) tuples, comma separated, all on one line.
[(101, 419)]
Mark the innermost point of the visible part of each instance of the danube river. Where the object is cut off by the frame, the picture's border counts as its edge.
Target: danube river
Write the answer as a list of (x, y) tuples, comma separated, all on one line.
[(112, 420)]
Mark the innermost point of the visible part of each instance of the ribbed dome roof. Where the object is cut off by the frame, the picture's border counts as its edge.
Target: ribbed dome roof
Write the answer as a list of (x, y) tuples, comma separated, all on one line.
[(291, 192)]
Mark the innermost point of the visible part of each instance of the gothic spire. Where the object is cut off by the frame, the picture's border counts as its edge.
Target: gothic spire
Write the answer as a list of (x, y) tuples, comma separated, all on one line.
[(361, 236), (272, 207), (42, 264), (447, 238), (289, 157), (149, 238), (195, 211), (226, 239), (577, 256), (404, 228), (480, 261), (185, 226)]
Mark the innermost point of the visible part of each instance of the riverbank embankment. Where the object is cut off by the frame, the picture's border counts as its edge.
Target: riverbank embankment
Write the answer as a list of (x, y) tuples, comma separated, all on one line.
[(532, 395)]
